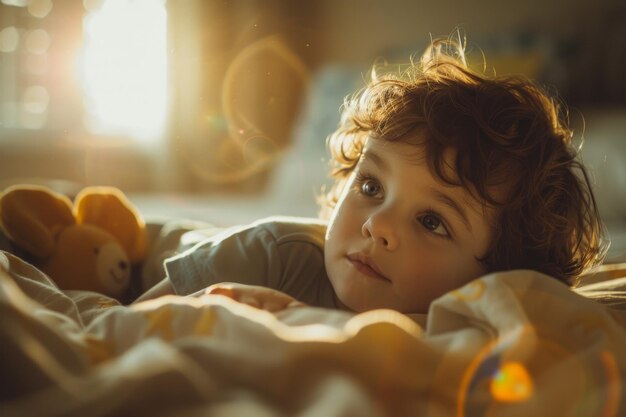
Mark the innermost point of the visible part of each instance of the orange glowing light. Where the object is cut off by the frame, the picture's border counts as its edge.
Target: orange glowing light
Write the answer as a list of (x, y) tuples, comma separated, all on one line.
[(512, 383)]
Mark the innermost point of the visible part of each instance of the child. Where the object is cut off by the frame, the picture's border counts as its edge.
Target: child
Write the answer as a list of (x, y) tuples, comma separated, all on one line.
[(443, 175)]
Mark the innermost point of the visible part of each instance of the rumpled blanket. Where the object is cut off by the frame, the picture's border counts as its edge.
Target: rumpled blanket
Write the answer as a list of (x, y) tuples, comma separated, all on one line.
[(508, 344)]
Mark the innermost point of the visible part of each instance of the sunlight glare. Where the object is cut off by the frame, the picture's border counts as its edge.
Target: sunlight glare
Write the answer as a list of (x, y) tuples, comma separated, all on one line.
[(125, 68)]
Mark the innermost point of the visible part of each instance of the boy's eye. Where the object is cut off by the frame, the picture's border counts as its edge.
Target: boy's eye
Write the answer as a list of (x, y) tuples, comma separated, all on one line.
[(434, 224), (370, 188)]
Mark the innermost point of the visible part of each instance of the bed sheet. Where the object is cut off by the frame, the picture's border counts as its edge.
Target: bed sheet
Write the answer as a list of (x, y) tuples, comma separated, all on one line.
[(507, 344)]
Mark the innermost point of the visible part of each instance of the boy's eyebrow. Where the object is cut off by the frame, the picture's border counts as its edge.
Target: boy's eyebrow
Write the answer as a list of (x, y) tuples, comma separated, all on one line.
[(450, 202), (377, 160)]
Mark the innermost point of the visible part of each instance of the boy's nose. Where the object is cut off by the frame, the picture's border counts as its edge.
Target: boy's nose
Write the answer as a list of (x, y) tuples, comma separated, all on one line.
[(379, 228)]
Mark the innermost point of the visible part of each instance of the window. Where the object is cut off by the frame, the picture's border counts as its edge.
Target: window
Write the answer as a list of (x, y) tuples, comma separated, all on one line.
[(124, 68), (92, 68)]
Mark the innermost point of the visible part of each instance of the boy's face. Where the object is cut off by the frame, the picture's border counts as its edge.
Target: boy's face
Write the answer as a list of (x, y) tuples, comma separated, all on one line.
[(398, 237)]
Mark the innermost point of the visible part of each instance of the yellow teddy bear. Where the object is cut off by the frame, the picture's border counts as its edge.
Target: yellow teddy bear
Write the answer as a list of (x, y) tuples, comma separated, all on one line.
[(89, 245)]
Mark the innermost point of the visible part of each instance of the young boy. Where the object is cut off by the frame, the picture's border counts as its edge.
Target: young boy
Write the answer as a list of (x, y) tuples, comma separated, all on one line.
[(443, 175)]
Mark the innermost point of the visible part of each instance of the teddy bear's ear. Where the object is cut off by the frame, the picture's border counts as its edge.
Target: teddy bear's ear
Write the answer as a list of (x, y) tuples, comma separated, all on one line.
[(109, 209), (31, 216)]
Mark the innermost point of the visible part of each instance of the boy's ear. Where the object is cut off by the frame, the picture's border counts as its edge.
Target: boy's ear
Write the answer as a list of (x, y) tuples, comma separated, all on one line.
[(109, 209), (32, 216)]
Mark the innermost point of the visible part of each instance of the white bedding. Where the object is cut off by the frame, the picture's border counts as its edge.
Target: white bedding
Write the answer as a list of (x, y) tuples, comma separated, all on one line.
[(508, 344)]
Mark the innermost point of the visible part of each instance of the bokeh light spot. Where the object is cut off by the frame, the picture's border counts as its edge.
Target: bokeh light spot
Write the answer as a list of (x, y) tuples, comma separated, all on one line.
[(512, 383), (36, 99), (16, 3), (9, 39), (92, 5), (39, 8)]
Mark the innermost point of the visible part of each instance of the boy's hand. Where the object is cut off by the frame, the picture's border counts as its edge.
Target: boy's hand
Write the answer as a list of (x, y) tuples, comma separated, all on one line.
[(256, 296)]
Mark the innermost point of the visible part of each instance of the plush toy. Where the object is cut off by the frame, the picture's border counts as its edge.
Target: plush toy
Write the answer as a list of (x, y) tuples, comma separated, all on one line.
[(90, 245)]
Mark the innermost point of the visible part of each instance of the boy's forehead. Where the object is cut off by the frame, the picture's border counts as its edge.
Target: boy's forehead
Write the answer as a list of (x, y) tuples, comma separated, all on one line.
[(411, 149)]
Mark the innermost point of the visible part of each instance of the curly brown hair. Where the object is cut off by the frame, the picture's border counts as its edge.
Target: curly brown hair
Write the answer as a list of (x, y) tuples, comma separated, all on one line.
[(506, 133)]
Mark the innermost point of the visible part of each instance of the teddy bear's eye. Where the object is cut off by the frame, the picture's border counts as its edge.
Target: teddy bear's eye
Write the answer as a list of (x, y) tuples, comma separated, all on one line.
[(96, 251)]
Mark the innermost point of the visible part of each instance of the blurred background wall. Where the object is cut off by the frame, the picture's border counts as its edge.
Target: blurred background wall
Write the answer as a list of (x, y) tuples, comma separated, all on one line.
[(204, 96)]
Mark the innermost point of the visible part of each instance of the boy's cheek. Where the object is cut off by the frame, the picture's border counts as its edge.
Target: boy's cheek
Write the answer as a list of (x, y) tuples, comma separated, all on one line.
[(339, 226)]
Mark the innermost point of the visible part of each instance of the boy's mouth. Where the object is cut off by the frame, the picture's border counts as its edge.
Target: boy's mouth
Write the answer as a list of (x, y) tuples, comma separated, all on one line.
[(365, 265)]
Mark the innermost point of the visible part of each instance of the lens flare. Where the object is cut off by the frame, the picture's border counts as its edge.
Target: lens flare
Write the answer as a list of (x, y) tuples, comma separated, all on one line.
[(531, 368), (512, 383), (614, 384), (241, 141)]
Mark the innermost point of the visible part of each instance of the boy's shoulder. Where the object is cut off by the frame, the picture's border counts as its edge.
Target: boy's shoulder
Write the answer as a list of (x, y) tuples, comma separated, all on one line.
[(286, 229)]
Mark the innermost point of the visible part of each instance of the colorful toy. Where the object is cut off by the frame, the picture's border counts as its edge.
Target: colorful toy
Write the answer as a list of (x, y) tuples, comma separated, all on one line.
[(90, 245)]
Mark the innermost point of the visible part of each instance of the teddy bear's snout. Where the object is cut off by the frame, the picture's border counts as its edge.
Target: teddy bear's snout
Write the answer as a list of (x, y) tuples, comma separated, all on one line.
[(122, 265)]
